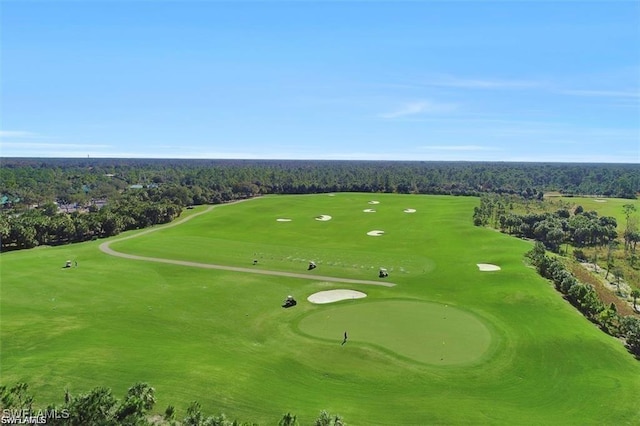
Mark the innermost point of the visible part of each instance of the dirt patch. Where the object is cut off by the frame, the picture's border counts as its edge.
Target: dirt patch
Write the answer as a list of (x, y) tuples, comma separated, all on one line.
[(604, 293)]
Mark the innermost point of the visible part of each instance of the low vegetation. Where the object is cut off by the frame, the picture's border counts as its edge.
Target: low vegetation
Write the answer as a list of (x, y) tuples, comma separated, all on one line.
[(100, 407)]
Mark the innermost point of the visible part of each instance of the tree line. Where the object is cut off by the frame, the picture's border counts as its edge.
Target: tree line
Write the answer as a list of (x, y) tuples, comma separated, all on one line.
[(46, 225), (36, 180), (578, 227), (99, 407), (586, 300)]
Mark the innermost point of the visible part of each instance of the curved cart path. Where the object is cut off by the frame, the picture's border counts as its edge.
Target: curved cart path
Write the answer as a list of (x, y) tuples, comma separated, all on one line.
[(105, 248)]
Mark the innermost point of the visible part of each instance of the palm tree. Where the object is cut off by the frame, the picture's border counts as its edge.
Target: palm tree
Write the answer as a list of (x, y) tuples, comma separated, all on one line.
[(288, 420), (635, 294), (326, 419), (618, 275)]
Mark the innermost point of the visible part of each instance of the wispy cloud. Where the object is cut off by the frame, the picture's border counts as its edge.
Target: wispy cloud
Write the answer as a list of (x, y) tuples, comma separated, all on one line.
[(420, 107), (458, 148), (16, 134), (49, 145), (479, 83), (447, 80), (634, 94)]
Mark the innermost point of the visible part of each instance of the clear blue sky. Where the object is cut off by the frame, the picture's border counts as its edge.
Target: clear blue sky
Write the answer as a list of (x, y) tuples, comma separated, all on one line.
[(368, 80)]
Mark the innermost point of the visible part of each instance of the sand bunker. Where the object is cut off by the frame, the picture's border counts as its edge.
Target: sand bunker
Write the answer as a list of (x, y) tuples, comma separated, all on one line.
[(282, 219), (330, 296), (375, 233), (600, 200), (323, 217), (409, 210), (369, 210), (487, 267), (374, 202)]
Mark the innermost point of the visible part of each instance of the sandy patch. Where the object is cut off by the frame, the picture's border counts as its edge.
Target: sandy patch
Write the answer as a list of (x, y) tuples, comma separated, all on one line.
[(409, 210), (330, 296), (323, 217), (600, 200), (375, 233), (374, 202), (282, 219), (331, 195), (369, 210), (487, 267)]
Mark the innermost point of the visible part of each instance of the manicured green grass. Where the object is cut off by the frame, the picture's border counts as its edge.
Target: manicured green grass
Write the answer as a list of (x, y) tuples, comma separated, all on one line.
[(425, 332), (222, 338)]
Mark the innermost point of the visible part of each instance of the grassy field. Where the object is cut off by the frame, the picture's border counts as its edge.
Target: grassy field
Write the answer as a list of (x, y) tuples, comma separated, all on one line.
[(604, 206), (516, 353)]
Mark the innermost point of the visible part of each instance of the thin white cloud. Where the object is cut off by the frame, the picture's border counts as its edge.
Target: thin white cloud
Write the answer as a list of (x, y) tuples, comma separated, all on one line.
[(48, 145), (16, 134), (458, 148), (475, 83), (620, 157), (421, 107), (634, 94)]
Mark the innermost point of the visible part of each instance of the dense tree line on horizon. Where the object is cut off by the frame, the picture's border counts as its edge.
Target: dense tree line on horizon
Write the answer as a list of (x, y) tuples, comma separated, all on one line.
[(137, 193), (73, 179)]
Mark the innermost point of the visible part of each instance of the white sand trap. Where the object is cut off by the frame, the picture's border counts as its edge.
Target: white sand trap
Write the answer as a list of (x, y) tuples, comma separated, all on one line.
[(600, 200), (282, 219), (409, 210), (369, 210), (330, 296), (331, 195), (375, 233), (374, 202), (323, 217), (487, 267)]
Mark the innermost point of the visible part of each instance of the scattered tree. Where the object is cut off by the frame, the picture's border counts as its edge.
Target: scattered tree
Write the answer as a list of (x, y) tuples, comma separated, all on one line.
[(288, 420), (326, 419), (635, 294)]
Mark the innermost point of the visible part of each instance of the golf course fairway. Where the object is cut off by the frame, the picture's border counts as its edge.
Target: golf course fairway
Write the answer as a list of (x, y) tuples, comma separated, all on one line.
[(196, 312)]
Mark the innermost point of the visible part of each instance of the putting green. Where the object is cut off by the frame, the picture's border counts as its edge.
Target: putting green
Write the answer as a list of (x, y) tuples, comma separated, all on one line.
[(426, 332)]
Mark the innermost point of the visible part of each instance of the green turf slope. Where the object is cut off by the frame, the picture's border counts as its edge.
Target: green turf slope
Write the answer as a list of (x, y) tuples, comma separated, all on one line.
[(221, 337)]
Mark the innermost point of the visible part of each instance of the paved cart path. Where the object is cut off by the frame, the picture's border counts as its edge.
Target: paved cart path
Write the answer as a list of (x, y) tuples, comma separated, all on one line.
[(105, 248)]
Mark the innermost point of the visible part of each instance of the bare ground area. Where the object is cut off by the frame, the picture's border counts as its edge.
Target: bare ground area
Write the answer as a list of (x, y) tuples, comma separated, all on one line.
[(604, 292)]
